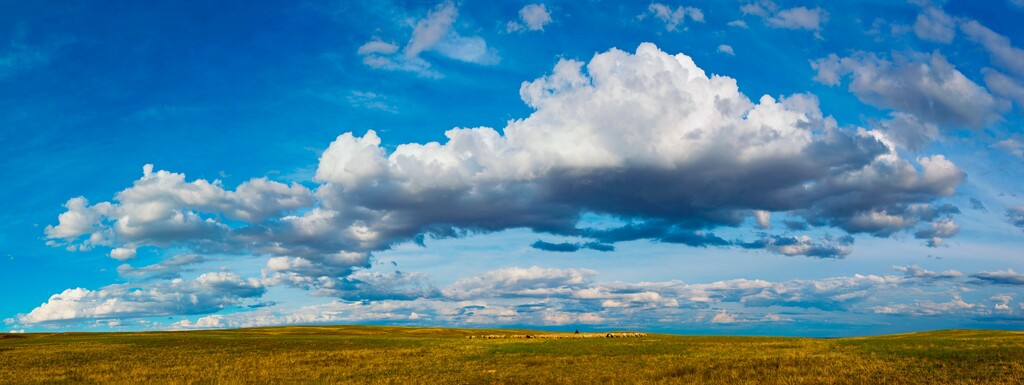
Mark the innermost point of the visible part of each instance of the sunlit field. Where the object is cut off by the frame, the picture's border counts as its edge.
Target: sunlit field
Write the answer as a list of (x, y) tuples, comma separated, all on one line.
[(367, 354)]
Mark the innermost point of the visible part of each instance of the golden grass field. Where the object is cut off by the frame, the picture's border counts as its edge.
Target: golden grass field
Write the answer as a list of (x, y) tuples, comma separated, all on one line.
[(396, 355)]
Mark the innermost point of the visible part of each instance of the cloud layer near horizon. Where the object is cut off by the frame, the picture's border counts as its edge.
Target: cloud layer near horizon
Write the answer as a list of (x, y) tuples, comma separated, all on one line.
[(550, 297)]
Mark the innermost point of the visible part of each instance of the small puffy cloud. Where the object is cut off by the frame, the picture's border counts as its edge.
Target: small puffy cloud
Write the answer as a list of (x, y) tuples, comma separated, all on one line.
[(207, 293), (122, 253), (935, 231), (933, 24), (926, 86), (532, 17), (673, 18), (789, 18), (726, 49)]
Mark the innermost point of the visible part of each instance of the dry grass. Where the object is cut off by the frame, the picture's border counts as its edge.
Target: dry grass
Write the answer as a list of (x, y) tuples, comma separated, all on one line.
[(366, 354)]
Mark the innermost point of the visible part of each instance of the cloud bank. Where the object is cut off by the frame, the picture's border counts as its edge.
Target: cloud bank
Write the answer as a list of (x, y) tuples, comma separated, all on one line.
[(646, 137)]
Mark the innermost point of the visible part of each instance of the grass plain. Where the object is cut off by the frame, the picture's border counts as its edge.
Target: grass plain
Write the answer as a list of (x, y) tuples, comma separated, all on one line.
[(398, 355)]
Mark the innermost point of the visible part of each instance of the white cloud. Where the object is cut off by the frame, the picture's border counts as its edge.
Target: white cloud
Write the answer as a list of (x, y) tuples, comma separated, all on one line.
[(933, 24), (166, 269), (430, 30), (907, 131), (520, 282), (627, 135), (533, 17), (999, 47), (955, 305), (1004, 86), (207, 293), (790, 18), (799, 18), (433, 33), (763, 219), (927, 86), (541, 296), (122, 254), (377, 46), (726, 49), (1011, 146), (162, 208), (737, 24), (673, 18), (917, 272), (1002, 277), (723, 317), (370, 100)]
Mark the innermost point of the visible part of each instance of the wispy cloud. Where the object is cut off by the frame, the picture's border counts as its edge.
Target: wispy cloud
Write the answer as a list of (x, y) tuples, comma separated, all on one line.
[(433, 33)]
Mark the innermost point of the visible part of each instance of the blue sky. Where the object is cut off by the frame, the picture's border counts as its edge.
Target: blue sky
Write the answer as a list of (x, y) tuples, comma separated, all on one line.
[(757, 167)]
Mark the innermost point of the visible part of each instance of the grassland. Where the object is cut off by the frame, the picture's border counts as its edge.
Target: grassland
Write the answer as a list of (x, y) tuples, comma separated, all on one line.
[(365, 354)]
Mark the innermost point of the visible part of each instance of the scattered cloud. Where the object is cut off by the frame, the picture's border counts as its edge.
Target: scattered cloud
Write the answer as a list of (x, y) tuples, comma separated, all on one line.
[(673, 18), (1015, 215), (726, 49), (370, 100), (532, 17), (1004, 86), (999, 47), (167, 269), (1011, 146), (1005, 277), (926, 86), (571, 246), (933, 24), (433, 33), (802, 18), (977, 205), (737, 24), (916, 272)]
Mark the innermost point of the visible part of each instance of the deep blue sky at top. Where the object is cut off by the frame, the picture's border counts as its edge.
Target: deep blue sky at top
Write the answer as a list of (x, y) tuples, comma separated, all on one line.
[(232, 90)]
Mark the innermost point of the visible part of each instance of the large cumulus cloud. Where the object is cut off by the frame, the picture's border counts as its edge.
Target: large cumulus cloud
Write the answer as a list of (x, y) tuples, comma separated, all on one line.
[(646, 137)]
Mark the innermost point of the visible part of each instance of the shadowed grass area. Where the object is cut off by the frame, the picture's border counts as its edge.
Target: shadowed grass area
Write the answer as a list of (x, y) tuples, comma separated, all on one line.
[(371, 354)]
